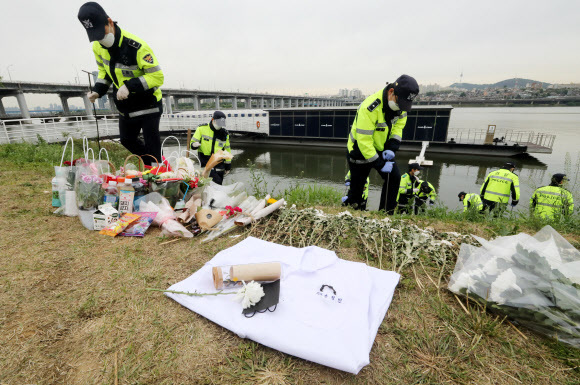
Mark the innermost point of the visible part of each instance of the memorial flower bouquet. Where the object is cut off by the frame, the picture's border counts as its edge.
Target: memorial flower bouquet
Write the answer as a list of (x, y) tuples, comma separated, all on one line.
[(89, 191)]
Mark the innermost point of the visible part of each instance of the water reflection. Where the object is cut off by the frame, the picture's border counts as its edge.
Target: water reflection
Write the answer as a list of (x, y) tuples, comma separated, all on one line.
[(284, 165)]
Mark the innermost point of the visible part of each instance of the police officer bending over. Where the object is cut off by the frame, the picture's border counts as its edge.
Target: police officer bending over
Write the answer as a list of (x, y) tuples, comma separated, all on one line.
[(426, 195), (470, 202), (408, 187), (128, 63), (498, 187), (554, 200), (375, 137), (210, 138)]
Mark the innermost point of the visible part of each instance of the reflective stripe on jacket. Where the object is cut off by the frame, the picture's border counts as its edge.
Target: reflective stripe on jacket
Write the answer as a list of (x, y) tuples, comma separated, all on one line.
[(130, 62), (499, 185), (472, 201), (550, 201), (211, 141), (370, 131)]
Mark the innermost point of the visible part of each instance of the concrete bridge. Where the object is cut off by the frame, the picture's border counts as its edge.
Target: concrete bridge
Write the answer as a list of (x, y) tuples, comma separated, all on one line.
[(503, 102), (171, 98)]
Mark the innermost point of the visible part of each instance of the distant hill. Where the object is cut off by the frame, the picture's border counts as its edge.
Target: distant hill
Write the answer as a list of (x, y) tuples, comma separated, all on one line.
[(509, 83)]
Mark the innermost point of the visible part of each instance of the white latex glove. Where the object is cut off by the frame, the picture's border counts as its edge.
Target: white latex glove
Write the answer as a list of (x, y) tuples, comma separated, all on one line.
[(195, 145), (93, 96), (122, 93), (415, 190)]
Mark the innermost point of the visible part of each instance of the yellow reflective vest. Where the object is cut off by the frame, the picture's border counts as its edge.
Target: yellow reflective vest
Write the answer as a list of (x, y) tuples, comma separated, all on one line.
[(130, 62), (421, 195), (499, 185), (371, 133), (473, 202), (551, 201), (211, 141)]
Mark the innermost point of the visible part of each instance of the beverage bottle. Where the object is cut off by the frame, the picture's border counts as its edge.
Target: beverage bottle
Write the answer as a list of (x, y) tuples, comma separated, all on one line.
[(112, 194), (55, 193), (126, 196), (140, 192)]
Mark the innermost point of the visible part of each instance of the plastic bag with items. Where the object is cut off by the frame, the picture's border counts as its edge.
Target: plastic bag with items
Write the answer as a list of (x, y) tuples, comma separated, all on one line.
[(216, 196), (166, 217), (533, 280)]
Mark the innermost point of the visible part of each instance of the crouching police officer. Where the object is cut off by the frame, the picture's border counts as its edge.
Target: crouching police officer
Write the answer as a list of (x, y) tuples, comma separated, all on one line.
[(498, 186), (426, 195), (553, 200), (128, 63), (210, 138), (365, 197), (375, 137), (470, 202)]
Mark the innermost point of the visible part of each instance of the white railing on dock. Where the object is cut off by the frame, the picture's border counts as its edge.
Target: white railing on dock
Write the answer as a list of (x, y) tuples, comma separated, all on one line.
[(57, 129), (523, 138)]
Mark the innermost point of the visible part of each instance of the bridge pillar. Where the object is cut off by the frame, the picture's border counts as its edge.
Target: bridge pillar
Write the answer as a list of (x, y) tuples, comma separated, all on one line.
[(217, 102), (235, 102), (261, 105), (248, 103), (168, 106), (282, 103), (2, 110), (195, 102), (64, 103), (88, 106), (24, 111), (302, 102)]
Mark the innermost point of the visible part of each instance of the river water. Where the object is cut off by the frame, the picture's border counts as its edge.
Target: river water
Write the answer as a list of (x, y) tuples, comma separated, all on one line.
[(284, 166)]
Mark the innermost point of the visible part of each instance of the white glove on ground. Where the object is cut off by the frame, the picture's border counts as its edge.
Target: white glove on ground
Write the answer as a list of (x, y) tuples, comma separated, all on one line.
[(122, 93), (93, 96)]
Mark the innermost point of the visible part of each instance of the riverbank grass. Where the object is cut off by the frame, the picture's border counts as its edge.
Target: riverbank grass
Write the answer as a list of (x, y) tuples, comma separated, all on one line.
[(74, 305)]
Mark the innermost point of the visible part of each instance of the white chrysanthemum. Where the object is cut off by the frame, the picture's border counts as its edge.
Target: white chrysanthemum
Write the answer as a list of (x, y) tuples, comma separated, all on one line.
[(250, 294)]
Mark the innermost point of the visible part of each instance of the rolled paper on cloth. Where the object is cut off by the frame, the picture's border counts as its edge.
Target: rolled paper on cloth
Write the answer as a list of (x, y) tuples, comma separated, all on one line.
[(214, 160), (232, 276)]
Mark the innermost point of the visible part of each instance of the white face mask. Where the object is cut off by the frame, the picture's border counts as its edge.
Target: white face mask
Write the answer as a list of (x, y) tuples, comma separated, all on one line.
[(393, 106), (417, 172), (219, 123), (108, 40)]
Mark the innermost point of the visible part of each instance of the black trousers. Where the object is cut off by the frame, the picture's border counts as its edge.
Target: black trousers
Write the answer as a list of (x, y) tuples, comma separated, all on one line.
[(358, 177), (390, 190), (494, 207), (129, 130)]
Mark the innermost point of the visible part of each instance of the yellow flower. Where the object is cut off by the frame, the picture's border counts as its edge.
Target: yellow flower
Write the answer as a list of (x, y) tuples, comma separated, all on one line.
[(271, 200)]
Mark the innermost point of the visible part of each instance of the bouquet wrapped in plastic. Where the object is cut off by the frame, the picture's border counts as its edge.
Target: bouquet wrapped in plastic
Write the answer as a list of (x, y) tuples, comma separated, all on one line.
[(89, 192), (533, 280), (166, 217)]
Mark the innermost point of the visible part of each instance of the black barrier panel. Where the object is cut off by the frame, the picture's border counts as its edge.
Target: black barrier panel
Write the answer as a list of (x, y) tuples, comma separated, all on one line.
[(341, 126), (326, 125), (425, 128), (313, 124), (441, 129), (299, 125), (409, 130), (287, 124), (275, 128)]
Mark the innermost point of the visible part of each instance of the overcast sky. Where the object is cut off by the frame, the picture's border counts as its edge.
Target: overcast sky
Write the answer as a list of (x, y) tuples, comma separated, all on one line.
[(294, 47)]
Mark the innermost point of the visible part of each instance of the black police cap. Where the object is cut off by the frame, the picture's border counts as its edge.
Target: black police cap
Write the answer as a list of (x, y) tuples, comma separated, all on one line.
[(558, 178), (414, 166), (94, 18), (461, 193), (219, 115), (509, 165), (406, 89)]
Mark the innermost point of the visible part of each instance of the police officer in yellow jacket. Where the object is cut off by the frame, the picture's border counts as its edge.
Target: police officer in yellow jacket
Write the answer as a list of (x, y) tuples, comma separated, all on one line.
[(408, 187), (374, 138), (498, 186), (553, 200), (129, 64), (210, 138), (470, 201), (425, 195)]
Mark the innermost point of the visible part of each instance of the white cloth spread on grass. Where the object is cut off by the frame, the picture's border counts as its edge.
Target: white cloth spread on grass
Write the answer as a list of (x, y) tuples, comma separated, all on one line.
[(332, 330)]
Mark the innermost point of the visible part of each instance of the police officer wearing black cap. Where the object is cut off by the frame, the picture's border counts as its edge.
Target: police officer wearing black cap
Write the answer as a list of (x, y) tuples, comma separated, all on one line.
[(408, 187), (210, 138), (553, 201), (375, 137), (128, 63)]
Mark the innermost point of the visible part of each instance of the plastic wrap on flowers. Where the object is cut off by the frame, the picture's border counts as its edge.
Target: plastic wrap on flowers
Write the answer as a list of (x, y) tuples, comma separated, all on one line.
[(166, 218), (533, 280), (89, 192)]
